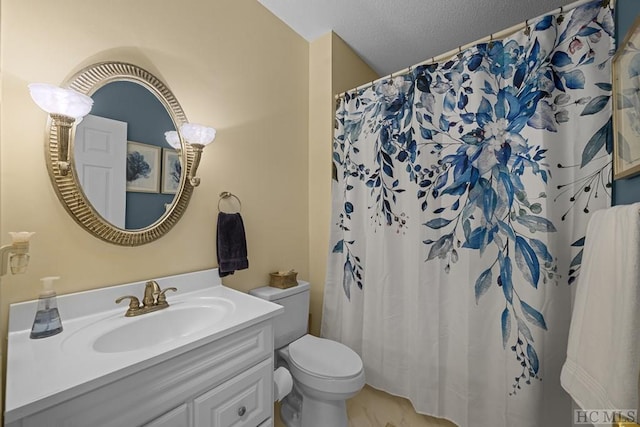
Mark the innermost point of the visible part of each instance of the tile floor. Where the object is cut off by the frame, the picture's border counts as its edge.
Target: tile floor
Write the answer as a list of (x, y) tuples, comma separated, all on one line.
[(374, 408)]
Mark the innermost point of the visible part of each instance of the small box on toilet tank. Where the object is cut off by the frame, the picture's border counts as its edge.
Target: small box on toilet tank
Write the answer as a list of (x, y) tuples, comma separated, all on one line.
[(283, 279)]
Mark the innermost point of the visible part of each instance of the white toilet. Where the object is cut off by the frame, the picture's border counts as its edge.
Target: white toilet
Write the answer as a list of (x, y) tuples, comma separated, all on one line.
[(325, 373)]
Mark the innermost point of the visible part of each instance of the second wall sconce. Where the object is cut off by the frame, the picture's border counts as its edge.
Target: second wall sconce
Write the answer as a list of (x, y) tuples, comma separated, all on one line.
[(64, 106), (173, 139), (198, 136)]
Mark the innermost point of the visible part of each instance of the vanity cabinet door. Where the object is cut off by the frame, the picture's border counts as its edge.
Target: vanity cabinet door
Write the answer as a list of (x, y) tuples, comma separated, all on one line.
[(178, 417), (243, 401)]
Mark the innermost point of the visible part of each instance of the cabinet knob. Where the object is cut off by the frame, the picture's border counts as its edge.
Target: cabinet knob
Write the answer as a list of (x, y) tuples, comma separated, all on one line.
[(242, 410)]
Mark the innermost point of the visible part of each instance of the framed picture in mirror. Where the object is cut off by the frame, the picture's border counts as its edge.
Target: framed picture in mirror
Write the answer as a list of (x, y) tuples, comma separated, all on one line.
[(143, 167), (171, 171), (626, 105)]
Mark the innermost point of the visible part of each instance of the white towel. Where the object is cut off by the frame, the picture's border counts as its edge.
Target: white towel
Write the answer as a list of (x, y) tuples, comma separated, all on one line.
[(603, 354)]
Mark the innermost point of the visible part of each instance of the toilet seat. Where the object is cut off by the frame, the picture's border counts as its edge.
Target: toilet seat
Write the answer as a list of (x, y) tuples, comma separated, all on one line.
[(324, 358), (325, 365)]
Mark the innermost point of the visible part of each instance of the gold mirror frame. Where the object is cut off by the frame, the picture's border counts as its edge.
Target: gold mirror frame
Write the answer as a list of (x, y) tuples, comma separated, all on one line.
[(68, 189)]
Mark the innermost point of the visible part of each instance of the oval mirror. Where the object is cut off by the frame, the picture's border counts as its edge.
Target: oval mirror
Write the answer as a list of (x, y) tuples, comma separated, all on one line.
[(127, 184)]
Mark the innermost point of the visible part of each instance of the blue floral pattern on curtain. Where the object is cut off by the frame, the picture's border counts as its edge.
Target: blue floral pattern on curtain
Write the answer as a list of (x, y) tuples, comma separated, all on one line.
[(467, 140)]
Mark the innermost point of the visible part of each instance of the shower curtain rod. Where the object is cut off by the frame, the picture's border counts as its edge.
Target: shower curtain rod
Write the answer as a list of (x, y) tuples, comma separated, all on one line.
[(447, 55)]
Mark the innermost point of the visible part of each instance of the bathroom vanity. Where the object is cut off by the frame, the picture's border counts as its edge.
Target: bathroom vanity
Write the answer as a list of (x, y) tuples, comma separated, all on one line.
[(206, 360)]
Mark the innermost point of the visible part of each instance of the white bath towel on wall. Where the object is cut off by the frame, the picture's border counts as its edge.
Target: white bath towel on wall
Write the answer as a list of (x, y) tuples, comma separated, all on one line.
[(603, 354)]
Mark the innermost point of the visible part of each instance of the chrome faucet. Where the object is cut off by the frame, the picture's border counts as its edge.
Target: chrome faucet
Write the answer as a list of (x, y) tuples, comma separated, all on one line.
[(154, 299)]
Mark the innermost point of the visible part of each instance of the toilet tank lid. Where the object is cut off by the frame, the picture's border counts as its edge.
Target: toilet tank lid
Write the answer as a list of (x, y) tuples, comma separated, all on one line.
[(270, 293)]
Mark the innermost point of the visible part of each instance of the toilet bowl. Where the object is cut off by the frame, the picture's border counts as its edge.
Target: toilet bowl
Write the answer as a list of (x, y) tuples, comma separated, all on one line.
[(325, 373)]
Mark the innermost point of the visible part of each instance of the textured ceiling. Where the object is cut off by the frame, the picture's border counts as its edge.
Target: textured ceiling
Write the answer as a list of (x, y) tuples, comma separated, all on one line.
[(393, 34)]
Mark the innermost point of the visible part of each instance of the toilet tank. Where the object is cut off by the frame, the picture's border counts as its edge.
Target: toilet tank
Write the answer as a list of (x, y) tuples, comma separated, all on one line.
[(292, 324)]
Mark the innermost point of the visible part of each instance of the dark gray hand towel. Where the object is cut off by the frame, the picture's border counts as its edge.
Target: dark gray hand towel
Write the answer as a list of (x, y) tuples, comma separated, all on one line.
[(231, 244)]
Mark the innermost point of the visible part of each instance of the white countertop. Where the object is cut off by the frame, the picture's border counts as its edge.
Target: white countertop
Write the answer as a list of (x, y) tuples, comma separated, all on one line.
[(44, 372)]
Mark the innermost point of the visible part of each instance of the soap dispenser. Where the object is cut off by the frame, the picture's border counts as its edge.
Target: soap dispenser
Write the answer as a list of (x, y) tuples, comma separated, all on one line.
[(47, 321)]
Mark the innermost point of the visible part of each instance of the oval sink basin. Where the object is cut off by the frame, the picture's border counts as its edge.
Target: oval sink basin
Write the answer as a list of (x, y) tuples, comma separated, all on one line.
[(158, 328), (120, 334)]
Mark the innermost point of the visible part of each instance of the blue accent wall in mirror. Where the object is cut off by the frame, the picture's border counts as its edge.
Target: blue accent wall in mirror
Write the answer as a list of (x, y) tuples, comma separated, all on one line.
[(147, 120)]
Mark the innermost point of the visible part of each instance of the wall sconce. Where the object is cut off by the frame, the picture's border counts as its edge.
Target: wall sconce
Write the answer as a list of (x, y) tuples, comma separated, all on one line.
[(173, 139), (64, 106), (16, 255), (198, 137)]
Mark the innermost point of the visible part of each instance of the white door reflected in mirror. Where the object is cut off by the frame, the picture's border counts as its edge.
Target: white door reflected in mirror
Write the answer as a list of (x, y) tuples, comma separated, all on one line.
[(100, 157)]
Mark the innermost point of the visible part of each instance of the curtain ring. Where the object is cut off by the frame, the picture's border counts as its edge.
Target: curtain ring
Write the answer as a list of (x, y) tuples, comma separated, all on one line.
[(226, 195)]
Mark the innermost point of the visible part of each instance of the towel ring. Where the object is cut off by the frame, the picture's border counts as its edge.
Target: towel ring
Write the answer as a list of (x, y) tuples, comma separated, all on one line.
[(226, 195)]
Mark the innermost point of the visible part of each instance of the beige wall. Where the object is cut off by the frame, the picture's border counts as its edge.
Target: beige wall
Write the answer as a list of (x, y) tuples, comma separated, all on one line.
[(348, 70), (333, 68), (320, 131), (231, 65)]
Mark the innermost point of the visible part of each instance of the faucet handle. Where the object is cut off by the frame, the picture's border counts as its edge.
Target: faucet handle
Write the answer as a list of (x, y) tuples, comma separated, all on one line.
[(134, 304), (162, 298)]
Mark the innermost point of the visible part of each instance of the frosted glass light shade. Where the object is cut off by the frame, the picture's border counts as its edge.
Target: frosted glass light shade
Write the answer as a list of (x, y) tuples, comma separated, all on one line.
[(173, 139), (21, 236), (56, 100), (197, 134)]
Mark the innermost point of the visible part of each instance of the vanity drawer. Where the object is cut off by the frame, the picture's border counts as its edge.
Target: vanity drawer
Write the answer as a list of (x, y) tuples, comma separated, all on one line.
[(178, 417), (245, 400)]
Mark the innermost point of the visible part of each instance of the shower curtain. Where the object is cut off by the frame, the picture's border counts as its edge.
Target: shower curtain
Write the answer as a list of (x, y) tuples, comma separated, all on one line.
[(461, 195)]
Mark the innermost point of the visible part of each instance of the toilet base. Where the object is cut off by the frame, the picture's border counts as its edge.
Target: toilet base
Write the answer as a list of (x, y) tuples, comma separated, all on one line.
[(300, 410), (323, 413), (291, 408)]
